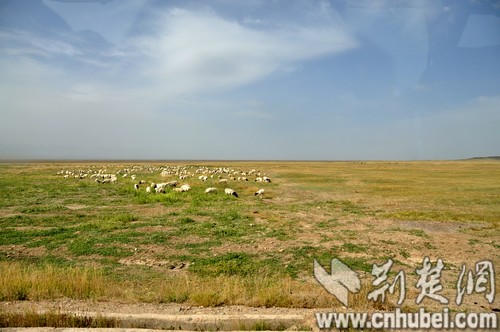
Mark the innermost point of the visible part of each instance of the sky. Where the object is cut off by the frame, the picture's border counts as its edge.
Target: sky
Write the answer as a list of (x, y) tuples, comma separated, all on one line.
[(249, 80)]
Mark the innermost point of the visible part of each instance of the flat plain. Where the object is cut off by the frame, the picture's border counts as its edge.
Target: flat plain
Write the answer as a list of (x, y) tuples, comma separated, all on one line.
[(77, 239)]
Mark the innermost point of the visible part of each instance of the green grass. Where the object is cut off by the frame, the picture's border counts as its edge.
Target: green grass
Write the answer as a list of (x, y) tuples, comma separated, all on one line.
[(241, 264), (314, 210), (352, 247)]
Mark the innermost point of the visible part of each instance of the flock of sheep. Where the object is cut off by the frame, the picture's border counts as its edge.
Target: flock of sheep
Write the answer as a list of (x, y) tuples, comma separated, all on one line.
[(221, 175)]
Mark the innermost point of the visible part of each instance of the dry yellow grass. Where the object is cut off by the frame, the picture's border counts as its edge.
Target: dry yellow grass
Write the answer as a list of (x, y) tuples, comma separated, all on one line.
[(28, 282)]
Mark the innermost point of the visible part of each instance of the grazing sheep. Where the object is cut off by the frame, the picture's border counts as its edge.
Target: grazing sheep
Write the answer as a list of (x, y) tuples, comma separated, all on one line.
[(259, 192), (230, 192), (185, 187), (258, 179), (266, 179), (136, 186), (133, 177), (148, 190), (160, 190), (223, 181), (210, 190)]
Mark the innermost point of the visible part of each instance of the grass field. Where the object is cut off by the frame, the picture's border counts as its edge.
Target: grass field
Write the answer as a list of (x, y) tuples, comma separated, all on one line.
[(78, 239)]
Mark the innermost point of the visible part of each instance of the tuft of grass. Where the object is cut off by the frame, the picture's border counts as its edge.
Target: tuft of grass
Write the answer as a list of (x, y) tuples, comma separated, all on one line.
[(473, 242), (207, 298), (42, 209), (54, 319), (429, 245), (404, 253), (92, 246), (21, 282), (418, 232), (186, 220), (357, 264), (229, 264), (255, 290), (124, 218), (351, 247)]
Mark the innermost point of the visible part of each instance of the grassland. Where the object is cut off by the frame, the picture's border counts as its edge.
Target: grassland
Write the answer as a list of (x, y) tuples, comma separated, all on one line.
[(78, 239)]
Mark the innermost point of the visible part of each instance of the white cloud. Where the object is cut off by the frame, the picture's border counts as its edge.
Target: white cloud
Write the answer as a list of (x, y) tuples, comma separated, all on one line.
[(197, 51), (25, 44)]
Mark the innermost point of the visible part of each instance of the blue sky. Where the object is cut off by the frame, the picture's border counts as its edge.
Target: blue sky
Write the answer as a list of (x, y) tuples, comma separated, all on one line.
[(255, 79)]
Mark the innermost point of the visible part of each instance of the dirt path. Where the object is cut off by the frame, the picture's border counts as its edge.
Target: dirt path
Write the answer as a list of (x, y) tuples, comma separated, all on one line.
[(174, 316)]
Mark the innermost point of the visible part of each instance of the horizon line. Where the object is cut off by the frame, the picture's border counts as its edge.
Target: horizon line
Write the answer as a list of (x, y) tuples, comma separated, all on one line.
[(176, 160)]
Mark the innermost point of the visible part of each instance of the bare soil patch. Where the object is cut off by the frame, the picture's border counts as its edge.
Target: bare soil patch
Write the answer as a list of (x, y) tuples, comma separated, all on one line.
[(76, 206), (20, 251), (441, 226)]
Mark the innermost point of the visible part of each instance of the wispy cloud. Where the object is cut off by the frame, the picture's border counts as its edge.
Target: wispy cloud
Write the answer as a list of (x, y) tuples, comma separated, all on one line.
[(196, 51), (24, 43)]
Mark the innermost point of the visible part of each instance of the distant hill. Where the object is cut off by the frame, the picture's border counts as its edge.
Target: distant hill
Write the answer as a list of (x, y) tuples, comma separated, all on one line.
[(490, 157)]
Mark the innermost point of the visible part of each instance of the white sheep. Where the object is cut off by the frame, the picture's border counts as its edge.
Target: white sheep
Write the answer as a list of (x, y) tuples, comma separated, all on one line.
[(266, 179), (160, 190), (136, 186), (210, 190), (260, 192), (185, 187), (148, 190), (229, 191), (223, 181)]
